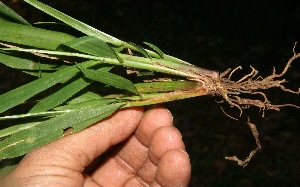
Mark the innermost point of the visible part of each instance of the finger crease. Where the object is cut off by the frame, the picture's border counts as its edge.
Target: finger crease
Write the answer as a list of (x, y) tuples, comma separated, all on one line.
[(125, 167)]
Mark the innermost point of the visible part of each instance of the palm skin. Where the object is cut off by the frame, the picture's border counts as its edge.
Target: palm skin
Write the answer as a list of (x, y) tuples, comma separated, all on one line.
[(130, 148)]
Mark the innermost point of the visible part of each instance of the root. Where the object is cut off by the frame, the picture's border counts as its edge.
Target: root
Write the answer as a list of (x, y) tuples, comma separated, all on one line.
[(234, 92), (240, 94), (245, 162)]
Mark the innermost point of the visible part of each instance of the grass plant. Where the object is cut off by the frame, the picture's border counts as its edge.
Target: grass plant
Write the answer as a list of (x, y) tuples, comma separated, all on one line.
[(97, 74)]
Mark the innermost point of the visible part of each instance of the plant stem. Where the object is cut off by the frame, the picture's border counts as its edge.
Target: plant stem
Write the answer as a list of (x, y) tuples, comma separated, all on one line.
[(158, 65)]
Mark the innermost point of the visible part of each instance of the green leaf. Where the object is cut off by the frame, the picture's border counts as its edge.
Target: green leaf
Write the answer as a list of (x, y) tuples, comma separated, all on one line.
[(51, 52), (90, 45), (29, 63), (48, 131), (165, 86), (155, 48), (110, 79), (87, 96), (80, 26), (31, 36), (140, 49), (159, 65), (38, 114), (68, 90), (85, 104), (9, 15), (22, 93), (16, 128)]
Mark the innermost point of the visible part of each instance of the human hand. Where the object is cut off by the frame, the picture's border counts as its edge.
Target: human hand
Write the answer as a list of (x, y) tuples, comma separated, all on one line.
[(130, 148)]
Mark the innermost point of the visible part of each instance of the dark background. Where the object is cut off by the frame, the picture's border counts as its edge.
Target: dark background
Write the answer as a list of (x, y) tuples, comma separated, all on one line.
[(215, 35)]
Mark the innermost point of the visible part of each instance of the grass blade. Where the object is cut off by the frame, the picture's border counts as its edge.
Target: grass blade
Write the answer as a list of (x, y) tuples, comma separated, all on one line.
[(31, 36), (9, 15), (165, 86), (110, 79), (21, 94), (91, 45), (16, 128), (78, 25), (140, 50), (159, 65), (29, 63), (48, 131), (68, 90), (38, 114), (155, 48), (85, 104), (86, 96)]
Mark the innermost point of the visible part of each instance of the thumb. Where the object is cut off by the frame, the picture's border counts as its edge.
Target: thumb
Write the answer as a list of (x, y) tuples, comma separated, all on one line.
[(78, 150)]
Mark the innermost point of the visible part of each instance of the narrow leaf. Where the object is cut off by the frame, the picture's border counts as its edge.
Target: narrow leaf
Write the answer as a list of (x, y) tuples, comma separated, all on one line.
[(68, 90), (140, 49), (22, 93), (90, 45), (110, 79), (48, 131), (87, 96), (86, 104), (16, 128), (29, 63), (78, 25), (9, 15), (166, 86), (38, 114), (155, 48), (31, 36), (159, 65)]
